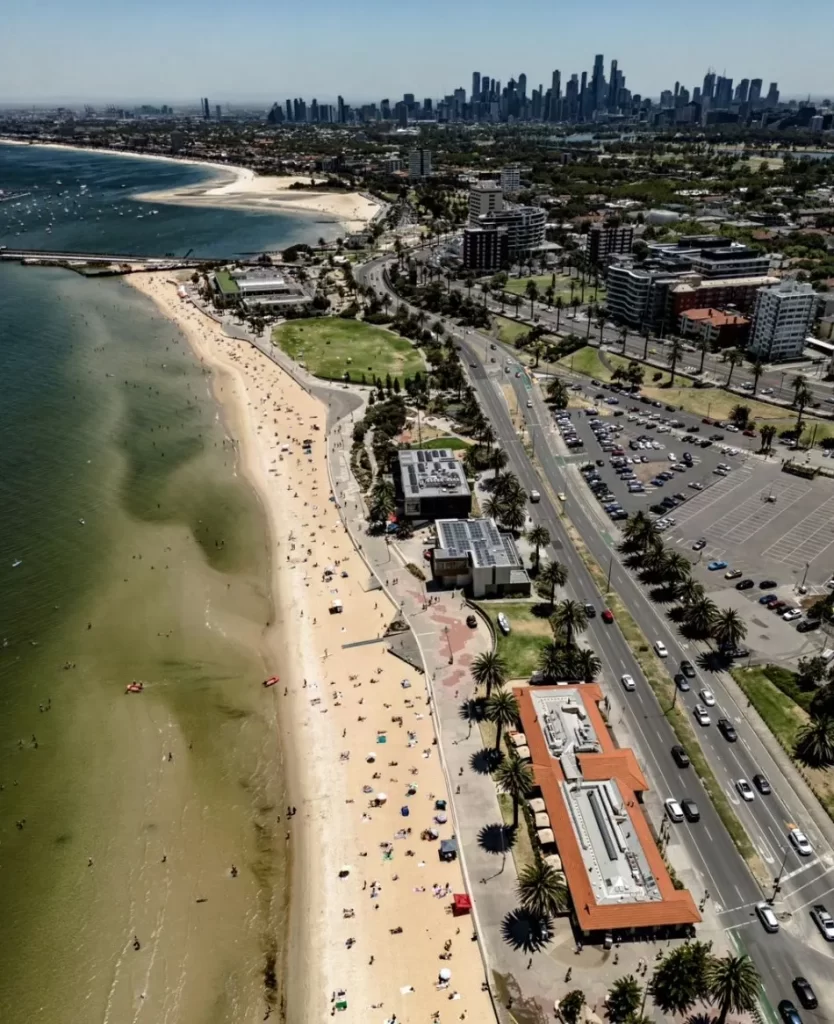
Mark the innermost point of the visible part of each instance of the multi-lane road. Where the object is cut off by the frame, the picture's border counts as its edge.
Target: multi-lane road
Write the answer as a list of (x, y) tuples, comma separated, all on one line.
[(797, 949)]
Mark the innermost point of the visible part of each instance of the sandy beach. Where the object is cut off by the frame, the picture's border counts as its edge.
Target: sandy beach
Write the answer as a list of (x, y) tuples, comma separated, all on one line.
[(371, 901)]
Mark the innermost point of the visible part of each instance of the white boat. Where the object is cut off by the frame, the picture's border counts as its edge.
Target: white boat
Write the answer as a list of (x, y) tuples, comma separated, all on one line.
[(83, 522), (17, 562)]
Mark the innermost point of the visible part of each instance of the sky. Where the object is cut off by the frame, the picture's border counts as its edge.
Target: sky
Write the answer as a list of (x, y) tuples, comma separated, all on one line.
[(263, 50)]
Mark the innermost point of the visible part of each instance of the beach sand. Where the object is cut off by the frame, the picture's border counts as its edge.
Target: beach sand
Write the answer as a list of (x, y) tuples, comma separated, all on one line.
[(338, 708)]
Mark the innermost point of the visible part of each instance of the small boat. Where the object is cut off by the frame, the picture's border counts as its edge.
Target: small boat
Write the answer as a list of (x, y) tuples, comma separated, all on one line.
[(134, 687), (83, 522), (272, 680), (17, 562)]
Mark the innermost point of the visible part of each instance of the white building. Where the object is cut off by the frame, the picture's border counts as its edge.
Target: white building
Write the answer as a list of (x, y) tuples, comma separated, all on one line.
[(782, 320), (419, 164), (485, 197), (511, 178)]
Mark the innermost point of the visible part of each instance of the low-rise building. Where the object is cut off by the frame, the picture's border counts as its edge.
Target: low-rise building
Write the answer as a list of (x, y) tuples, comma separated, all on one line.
[(511, 178), (430, 483), (714, 328), (474, 554), (782, 320), (592, 817), (256, 288)]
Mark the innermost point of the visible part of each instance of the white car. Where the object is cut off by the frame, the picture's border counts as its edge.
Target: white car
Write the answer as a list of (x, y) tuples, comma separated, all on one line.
[(628, 682), (660, 649), (791, 614), (767, 391), (708, 698), (656, 445), (562, 496), (503, 624), (673, 809), (800, 842), (745, 790), (824, 921), (695, 485), (672, 457), (700, 713)]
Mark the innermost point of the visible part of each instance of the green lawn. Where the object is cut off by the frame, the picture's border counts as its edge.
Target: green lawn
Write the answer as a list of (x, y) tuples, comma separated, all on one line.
[(452, 443), (586, 361), (561, 287), (529, 633), (782, 715), (508, 331), (329, 347)]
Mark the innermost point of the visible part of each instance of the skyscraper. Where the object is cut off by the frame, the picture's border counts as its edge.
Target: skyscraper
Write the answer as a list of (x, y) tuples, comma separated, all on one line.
[(522, 87), (289, 110), (742, 90), (613, 88), (476, 87), (206, 108), (772, 94), (723, 92), (555, 96), (708, 89), (595, 101), (755, 94), (340, 110), (583, 97)]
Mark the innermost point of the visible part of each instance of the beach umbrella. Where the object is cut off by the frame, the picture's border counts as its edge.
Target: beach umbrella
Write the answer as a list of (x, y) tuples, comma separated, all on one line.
[(371, 758), (381, 797), (445, 974)]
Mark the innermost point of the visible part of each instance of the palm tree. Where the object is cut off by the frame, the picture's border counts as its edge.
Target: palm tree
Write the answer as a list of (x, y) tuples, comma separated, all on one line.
[(557, 393), (640, 532), (757, 368), (654, 561), (767, 433), (559, 307), (688, 591), (624, 337), (532, 293), (487, 436), (815, 743), (676, 568), (498, 460), (513, 513), (540, 537), (551, 575), (489, 670), (700, 616), (570, 1006), (728, 629), (383, 501), (624, 1000), (552, 662), (799, 382), (507, 486), (493, 507), (515, 778), (472, 459), (802, 397), (542, 889), (501, 709), (733, 356), (679, 981), (675, 350), (586, 664), (571, 618), (732, 983), (549, 292)]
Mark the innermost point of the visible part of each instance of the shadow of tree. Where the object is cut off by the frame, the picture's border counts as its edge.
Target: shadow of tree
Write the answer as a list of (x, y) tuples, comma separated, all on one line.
[(662, 594), (543, 610), (523, 930), (485, 761), (704, 1017), (473, 710), (497, 838), (713, 661), (676, 614), (633, 560)]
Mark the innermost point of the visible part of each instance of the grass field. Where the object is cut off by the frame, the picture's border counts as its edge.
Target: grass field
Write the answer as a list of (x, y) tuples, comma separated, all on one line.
[(529, 633), (586, 361), (452, 443), (561, 287), (507, 330), (329, 347)]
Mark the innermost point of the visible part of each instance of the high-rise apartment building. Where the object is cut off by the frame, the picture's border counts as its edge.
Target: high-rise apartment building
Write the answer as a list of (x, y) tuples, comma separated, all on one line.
[(485, 197), (556, 96), (708, 88), (613, 88), (772, 95), (607, 241), (476, 87), (485, 249), (511, 178), (755, 94), (419, 164), (782, 320), (597, 97)]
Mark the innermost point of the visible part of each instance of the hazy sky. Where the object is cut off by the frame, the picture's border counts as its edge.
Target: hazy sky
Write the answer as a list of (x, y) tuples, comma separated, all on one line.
[(268, 49)]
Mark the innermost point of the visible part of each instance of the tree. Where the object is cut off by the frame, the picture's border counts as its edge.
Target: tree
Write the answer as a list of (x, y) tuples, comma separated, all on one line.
[(802, 397), (640, 532), (815, 743), (740, 415), (551, 575), (502, 710), (383, 501), (733, 356), (679, 981), (515, 778), (732, 983), (728, 629), (767, 433), (532, 293), (624, 1000), (822, 703), (586, 664), (689, 590), (676, 568), (513, 514), (571, 1006), (799, 382), (542, 890), (552, 662), (497, 460), (571, 618), (489, 670), (810, 672), (700, 615), (557, 393), (757, 369), (672, 357), (559, 307), (540, 537), (487, 436)]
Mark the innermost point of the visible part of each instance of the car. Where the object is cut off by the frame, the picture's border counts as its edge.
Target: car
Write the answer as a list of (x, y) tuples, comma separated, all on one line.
[(768, 599), (700, 713), (761, 783), (745, 790), (680, 756), (660, 649), (770, 922), (590, 611), (806, 994), (800, 842), (728, 730), (471, 621), (696, 486), (824, 921), (767, 391), (682, 682), (792, 614), (562, 496), (733, 574), (673, 809), (716, 565), (807, 625), (779, 606), (628, 682), (707, 697), (690, 809), (788, 1012), (671, 457), (747, 584), (716, 437), (699, 544), (688, 669), (767, 584), (607, 615), (503, 623)]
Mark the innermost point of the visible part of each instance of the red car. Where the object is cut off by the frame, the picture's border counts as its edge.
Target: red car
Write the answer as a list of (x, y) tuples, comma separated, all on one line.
[(749, 433), (607, 615)]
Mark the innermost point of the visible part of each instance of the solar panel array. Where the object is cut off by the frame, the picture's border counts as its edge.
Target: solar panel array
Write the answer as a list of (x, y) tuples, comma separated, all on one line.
[(480, 536), (427, 470)]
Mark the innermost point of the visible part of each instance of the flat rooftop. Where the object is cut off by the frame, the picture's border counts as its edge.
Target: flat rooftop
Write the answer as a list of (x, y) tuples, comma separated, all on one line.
[(431, 472), (613, 868), (477, 539), (725, 282)]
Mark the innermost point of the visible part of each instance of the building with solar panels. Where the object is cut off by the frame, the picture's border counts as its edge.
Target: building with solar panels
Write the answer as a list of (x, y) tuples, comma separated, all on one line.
[(475, 554), (430, 483)]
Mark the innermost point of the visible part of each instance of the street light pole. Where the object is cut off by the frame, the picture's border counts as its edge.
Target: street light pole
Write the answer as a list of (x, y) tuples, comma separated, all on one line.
[(776, 886), (610, 569)]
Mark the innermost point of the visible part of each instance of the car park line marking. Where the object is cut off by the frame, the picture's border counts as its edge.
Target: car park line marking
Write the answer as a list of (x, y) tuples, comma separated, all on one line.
[(816, 522)]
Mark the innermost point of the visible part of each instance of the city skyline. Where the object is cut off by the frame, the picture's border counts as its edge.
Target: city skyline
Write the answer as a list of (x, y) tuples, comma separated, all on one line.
[(63, 56)]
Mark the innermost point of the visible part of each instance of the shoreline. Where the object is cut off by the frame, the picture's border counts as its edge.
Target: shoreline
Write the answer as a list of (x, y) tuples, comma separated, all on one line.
[(338, 679), (235, 187)]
